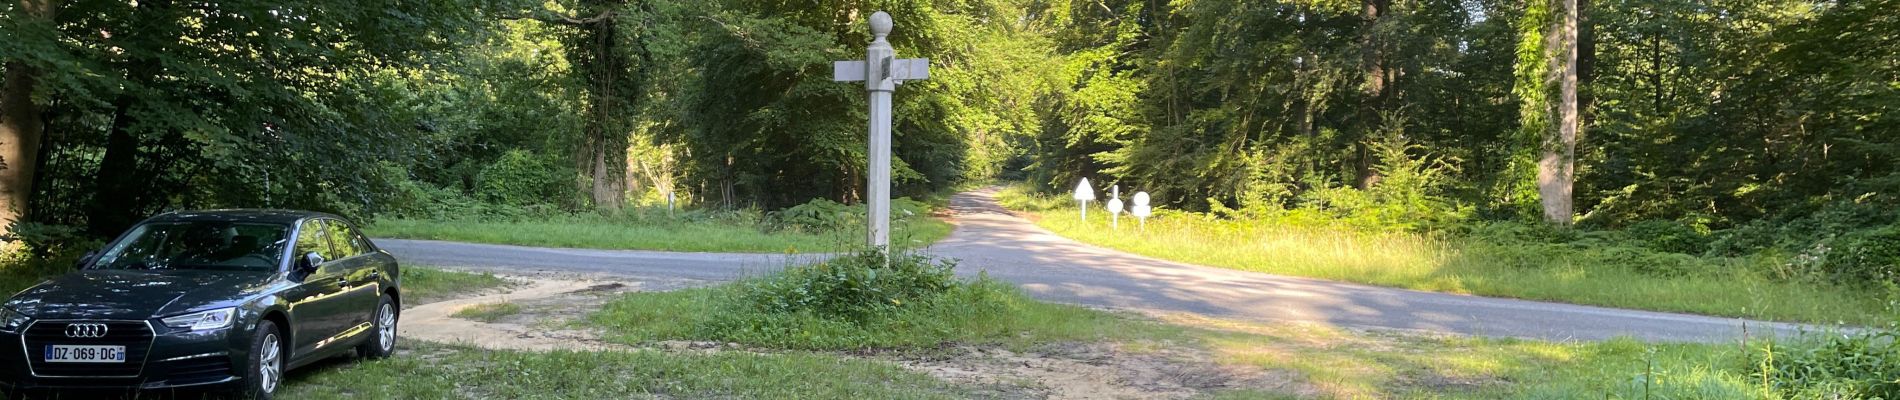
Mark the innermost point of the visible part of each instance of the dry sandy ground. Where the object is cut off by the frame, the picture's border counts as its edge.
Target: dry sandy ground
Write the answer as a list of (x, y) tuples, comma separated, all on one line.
[(551, 303)]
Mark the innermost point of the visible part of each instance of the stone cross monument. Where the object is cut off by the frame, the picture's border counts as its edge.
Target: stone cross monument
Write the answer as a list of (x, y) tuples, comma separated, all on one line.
[(880, 71)]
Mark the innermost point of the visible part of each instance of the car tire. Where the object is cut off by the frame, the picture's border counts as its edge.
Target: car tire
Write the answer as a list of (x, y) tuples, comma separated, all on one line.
[(382, 337), (264, 374)]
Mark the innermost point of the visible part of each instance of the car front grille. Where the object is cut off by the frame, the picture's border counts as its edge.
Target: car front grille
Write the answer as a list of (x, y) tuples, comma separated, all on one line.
[(136, 336)]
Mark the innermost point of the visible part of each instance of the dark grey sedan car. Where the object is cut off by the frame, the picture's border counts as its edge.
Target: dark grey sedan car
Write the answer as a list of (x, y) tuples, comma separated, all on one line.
[(217, 299)]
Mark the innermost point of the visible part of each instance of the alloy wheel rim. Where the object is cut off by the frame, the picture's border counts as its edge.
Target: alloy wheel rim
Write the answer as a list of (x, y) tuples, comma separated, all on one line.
[(268, 368), (387, 321)]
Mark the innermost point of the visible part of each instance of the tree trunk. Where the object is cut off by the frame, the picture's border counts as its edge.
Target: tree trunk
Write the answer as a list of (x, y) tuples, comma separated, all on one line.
[(1556, 171), (124, 186), (1374, 96), (607, 189), (614, 66), (21, 127), (115, 188)]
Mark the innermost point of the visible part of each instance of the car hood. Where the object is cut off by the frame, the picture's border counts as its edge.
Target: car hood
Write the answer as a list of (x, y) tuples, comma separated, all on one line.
[(136, 295)]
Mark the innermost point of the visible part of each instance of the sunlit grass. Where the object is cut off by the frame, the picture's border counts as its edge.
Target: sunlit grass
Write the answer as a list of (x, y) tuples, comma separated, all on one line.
[(1342, 363), (435, 371), (489, 312), (423, 285), (1466, 266), (692, 236), (978, 313)]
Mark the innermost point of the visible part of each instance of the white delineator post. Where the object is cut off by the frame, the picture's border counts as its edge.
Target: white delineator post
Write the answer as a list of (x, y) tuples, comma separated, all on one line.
[(881, 71), (1083, 194), (1142, 210)]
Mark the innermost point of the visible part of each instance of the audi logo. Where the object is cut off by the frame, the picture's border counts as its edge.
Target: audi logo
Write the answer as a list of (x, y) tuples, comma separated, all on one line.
[(85, 330)]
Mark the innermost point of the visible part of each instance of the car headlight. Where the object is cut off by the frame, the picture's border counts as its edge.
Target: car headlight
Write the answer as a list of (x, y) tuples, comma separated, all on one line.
[(12, 321), (198, 321)]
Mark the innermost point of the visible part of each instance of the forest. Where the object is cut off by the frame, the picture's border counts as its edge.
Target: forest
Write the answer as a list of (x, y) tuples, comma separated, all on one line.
[(1715, 127)]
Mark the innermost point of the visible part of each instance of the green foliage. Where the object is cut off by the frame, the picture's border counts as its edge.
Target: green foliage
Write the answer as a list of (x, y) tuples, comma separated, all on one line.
[(654, 228), (46, 240), (521, 178), (820, 215), (1409, 196), (1870, 257), (913, 303), (192, 107), (1669, 236), (1028, 198), (22, 269), (853, 287), (1847, 366)]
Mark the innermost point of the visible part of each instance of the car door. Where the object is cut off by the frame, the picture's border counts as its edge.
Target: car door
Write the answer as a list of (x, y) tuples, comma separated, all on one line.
[(316, 307), (359, 275)]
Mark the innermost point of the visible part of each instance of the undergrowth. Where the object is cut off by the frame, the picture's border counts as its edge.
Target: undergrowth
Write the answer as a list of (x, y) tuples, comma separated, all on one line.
[(855, 302)]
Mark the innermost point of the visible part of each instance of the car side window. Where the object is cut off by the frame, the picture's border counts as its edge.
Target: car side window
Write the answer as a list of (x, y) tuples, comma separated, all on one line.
[(344, 237), (357, 239), (311, 238)]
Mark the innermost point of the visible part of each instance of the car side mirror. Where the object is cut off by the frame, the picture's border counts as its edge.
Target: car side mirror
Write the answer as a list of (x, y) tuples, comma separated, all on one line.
[(309, 262), (86, 260)]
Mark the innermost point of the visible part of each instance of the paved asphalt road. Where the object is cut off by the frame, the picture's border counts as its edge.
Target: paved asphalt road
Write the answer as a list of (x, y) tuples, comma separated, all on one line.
[(1050, 267)]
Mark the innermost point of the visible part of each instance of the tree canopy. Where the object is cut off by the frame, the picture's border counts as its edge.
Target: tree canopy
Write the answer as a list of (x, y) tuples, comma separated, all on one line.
[(1722, 112)]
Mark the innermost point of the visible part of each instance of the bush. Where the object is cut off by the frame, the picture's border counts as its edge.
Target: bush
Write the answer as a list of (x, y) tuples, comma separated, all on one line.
[(824, 216), (46, 240), (1856, 366), (1409, 195), (853, 287), (1025, 197), (20, 269), (1802, 232), (818, 215), (1668, 236), (1863, 257), (523, 178), (853, 302)]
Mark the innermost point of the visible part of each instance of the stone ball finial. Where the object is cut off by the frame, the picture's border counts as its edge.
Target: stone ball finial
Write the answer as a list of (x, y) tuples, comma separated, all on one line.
[(880, 24)]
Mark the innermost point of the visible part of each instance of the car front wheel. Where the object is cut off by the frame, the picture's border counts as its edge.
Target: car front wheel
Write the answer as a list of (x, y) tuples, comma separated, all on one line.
[(267, 362), (382, 338)]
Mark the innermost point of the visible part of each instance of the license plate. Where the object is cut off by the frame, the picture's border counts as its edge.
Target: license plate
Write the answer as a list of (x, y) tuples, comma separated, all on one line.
[(85, 354)]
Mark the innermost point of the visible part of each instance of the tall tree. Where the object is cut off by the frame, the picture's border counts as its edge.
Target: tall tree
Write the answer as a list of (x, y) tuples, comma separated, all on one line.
[(1556, 170), (1547, 54), (1375, 91), (21, 126), (160, 104), (608, 53)]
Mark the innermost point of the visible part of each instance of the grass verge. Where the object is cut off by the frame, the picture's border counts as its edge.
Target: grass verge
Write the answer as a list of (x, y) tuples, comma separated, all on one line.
[(666, 235), (436, 371), (1602, 276), (1340, 363)]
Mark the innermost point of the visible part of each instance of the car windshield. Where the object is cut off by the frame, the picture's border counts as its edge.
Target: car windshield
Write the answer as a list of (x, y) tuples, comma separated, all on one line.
[(198, 245)]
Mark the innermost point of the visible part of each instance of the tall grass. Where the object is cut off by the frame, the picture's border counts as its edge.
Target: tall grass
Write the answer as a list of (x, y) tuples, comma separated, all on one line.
[(423, 285), (594, 232), (1606, 275), (855, 303)]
